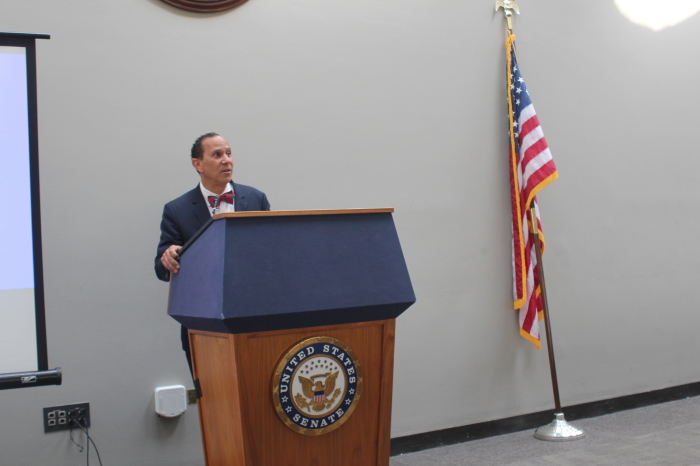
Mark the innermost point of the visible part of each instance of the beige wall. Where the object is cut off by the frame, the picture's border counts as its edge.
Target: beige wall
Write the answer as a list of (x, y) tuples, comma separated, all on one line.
[(366, 104)]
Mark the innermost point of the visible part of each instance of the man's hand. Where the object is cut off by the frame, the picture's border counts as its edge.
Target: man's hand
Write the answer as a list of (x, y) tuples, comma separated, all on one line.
[(170, 258)]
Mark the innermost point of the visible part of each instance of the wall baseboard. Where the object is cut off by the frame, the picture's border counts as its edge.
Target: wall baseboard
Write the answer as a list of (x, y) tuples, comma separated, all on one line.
[(439, 438)]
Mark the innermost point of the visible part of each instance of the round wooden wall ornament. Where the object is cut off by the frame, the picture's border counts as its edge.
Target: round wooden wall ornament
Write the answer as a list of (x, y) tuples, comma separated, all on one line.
[(205, 6)]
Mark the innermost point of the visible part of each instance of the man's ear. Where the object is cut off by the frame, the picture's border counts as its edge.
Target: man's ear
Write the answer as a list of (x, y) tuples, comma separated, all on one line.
[(197, 164)]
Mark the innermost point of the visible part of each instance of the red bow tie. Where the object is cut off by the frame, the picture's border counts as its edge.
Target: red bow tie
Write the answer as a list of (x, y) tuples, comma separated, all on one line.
[(214, 201)]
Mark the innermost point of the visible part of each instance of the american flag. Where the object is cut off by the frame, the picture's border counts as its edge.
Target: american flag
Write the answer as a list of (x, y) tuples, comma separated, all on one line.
[(531, 169)]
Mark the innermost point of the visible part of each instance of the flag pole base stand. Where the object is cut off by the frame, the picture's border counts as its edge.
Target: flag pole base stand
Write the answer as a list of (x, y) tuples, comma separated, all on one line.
[(559, 430)]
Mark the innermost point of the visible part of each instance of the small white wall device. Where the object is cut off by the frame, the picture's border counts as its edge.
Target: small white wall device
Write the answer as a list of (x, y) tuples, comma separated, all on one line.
[(171, 401)]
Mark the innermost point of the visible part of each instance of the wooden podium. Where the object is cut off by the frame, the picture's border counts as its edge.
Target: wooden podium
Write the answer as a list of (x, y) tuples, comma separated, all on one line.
[(291, 322)]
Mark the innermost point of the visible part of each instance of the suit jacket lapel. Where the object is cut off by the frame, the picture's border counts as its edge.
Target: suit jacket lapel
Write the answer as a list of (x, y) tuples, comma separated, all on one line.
[(240, 202), (199, 207)]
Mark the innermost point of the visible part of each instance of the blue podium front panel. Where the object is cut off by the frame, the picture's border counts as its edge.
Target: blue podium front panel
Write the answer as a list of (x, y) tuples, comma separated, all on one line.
[(247, 274), (196, 291)]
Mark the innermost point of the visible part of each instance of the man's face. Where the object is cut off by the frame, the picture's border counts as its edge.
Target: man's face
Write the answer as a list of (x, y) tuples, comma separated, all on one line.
[(216, 164)]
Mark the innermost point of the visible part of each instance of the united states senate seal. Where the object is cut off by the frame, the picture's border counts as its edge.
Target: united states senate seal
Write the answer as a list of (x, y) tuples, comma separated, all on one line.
[(317, 385), (205, 6)]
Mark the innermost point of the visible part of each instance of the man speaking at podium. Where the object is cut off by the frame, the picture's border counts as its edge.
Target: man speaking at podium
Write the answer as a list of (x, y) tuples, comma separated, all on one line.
[(215, 193)]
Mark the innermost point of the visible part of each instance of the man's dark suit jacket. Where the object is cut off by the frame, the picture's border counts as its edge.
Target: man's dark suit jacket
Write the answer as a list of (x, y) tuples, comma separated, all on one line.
[(184, 216)]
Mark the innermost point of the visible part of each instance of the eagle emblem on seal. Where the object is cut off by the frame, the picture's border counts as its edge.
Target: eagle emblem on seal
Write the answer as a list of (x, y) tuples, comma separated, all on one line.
[(317, 392)]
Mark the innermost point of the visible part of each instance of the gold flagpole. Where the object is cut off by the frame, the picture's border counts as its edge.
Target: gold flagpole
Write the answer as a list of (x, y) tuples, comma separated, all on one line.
[(558, 429)]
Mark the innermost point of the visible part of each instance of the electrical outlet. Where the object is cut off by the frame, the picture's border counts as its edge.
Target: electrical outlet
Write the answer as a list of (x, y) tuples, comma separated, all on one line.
[(66, 416)]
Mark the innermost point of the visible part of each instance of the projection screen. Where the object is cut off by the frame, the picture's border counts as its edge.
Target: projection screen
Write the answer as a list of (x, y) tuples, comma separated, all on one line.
[(22, 322)]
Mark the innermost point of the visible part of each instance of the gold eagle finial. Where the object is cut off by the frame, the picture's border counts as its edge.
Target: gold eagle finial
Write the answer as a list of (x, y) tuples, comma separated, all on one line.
[(508, 6)]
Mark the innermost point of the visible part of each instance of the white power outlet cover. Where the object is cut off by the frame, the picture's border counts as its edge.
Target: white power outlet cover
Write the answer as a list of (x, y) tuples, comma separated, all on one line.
[(171, 401)]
